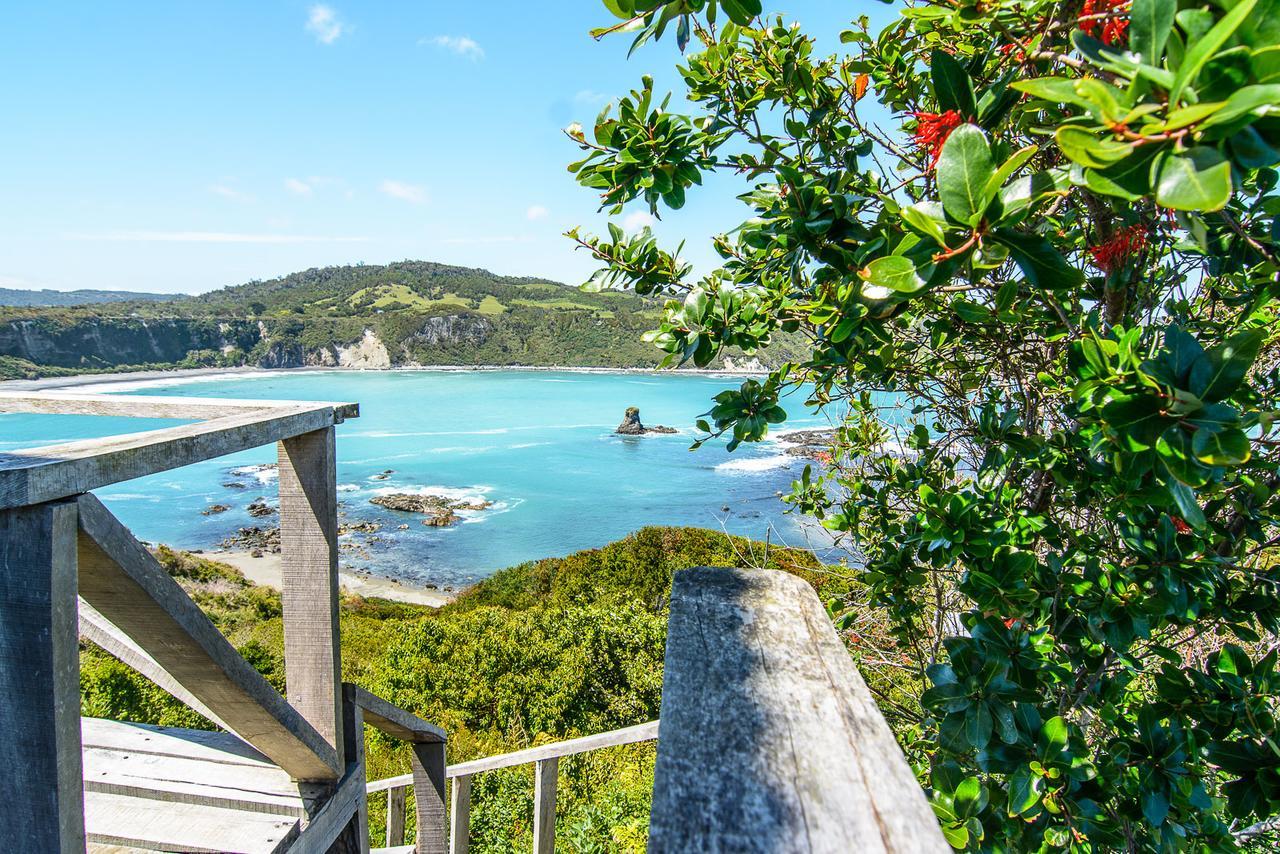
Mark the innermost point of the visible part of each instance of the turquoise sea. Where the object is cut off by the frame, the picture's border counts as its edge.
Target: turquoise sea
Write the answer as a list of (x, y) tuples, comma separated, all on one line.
[(539, 445)]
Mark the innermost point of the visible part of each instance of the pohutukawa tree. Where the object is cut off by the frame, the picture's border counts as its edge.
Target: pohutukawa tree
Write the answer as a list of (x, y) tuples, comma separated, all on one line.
[(1043, 305)]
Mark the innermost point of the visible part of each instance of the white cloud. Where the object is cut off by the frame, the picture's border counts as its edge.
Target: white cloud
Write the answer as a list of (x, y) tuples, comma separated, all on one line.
[(637, 220), (590, 98), (537, 212), (406, 192), (228, 192), (461, 45), (297, 185), (323, 23), (211, 237)]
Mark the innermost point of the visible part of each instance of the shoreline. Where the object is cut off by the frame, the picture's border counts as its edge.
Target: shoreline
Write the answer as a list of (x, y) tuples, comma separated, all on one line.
[(266, 571), (184, 374)]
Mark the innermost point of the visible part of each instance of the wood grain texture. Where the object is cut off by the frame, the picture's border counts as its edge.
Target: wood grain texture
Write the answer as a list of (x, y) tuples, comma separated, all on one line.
[(771, 741), (128, 587), (37, 475), (395, 815), (142, 823), (428, 760), (460, 816), (546, 776), (392, 720), (309, 583), (147, 406), (41, 795)]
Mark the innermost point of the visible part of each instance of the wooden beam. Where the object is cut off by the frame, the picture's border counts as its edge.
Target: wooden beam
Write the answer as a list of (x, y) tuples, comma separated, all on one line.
[(324, 833), (613, 738), (129, 588), (545, 778), (149, 406), (99, 630), (428, 761), (771, 741), (395, 815), (41, 788), (309, 584), (460, 816), (37, 475), (392, 720)]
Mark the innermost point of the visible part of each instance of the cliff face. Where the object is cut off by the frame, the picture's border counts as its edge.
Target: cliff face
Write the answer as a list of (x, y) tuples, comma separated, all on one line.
[(121, 341), (109, 342)]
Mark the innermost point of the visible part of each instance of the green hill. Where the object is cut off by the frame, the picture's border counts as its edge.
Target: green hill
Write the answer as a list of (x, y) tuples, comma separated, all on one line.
[(46, 297)]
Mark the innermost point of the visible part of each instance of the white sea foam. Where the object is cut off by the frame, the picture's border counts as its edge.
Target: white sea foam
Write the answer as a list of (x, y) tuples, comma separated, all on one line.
[(453, 493), (349, 487), (754, 465), (164, 382), (264, 473), (527, 445)]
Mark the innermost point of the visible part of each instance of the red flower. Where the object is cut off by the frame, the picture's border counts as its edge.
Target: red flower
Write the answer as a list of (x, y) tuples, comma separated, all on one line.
[(1180, 526), (932, 130), (1013, 623), (1120, 249), (1097, 19)]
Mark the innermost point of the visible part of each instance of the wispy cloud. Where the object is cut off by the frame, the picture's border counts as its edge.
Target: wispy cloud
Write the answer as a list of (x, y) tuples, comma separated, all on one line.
[(537, 212), (324, 24), (298, 186), (211, 237), (229, 192), (461, 45), (637, 220), (591, 98), (406, 192), (488, 240)]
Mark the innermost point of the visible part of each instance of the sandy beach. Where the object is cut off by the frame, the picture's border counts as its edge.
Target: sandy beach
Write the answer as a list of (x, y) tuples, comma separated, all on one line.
[(266, 570)]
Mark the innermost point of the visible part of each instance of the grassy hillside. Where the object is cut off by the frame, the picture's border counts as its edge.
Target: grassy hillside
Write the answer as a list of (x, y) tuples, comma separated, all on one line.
[(544, 651), (411, 313)]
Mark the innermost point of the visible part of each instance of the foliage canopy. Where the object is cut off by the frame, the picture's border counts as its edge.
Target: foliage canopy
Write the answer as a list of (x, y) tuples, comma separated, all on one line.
[(1043, 310)]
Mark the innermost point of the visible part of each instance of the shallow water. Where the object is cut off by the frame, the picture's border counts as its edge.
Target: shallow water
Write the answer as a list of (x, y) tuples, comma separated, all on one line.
[(539, 445)]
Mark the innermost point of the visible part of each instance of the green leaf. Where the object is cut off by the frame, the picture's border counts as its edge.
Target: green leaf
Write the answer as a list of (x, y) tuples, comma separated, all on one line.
[(895, 272), (1056, 90), (1055, 734), (1020, 195), (1223, 368), (1194, 180), (927, 218), (1085, 147), (964, 168), (1202, 50), (1150, 22), (970, 798), (1023, 791), (1244, 101), (1129, 179), (1007, 168), (1155, 807), (1224, 448), (1187, 504), (951, 84), (1041, 264)]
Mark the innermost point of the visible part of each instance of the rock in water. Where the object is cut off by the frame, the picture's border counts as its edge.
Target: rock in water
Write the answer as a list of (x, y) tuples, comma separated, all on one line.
[(260, 508), (631, 425)]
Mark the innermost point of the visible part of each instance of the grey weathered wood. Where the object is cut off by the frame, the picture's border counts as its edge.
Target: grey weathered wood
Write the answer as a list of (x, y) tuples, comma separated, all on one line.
[(428, 760), (395, 815), (128, 587), (36, 475), (545, 777), (189, 766), (460, 816), (309, 583), (356, 836), (98, 629), (771, 741), (149, 406), (324, 833), (613, 738), (392, 720), (146, 824), (41, 796)]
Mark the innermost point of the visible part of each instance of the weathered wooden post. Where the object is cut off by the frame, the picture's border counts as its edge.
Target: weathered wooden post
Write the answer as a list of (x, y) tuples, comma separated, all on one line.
[(460, 816), (395, 816), (546, 775), (41, 789), (428, 761), (309, 554)]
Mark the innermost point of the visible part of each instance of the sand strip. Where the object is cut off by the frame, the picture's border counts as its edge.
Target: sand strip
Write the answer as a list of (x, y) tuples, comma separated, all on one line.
[(266, 570)]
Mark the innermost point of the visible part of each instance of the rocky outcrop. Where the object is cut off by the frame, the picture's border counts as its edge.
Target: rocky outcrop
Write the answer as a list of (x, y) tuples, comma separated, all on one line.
[(450, 329), (369, 353), (104, 342), (810, 444), (631, 425), (440, 511), (259, 508), (254, 540)]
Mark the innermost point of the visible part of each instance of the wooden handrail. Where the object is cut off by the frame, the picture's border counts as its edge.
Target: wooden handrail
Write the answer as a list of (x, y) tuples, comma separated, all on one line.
[(771, 740), (545, 758)]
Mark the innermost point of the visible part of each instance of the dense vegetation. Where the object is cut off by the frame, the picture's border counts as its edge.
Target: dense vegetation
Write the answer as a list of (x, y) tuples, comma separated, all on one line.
[(544, 651), (46, 297), (418, 313), (1065, 258)]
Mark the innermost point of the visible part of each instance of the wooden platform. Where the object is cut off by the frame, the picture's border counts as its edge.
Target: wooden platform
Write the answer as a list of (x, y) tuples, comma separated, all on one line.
[(167, 789)]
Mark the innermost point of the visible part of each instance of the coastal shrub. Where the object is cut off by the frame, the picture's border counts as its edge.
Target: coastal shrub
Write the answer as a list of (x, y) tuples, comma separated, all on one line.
[(1033, 248)]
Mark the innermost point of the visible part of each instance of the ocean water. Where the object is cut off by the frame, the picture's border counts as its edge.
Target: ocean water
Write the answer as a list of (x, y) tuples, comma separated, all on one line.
[(539, 445)]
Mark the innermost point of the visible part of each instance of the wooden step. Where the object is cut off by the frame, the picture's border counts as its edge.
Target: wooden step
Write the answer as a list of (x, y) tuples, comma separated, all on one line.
[(169, 789)]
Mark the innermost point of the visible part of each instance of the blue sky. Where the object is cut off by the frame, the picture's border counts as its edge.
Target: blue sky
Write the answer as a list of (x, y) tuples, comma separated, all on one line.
[(175, 146)]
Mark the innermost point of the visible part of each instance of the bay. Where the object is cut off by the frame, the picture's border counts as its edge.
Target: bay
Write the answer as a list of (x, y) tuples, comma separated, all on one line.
[(538, 444)]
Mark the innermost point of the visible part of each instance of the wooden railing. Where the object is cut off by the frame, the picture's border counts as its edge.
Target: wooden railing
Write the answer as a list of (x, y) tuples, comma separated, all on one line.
[(546, 761), (770, 741)]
